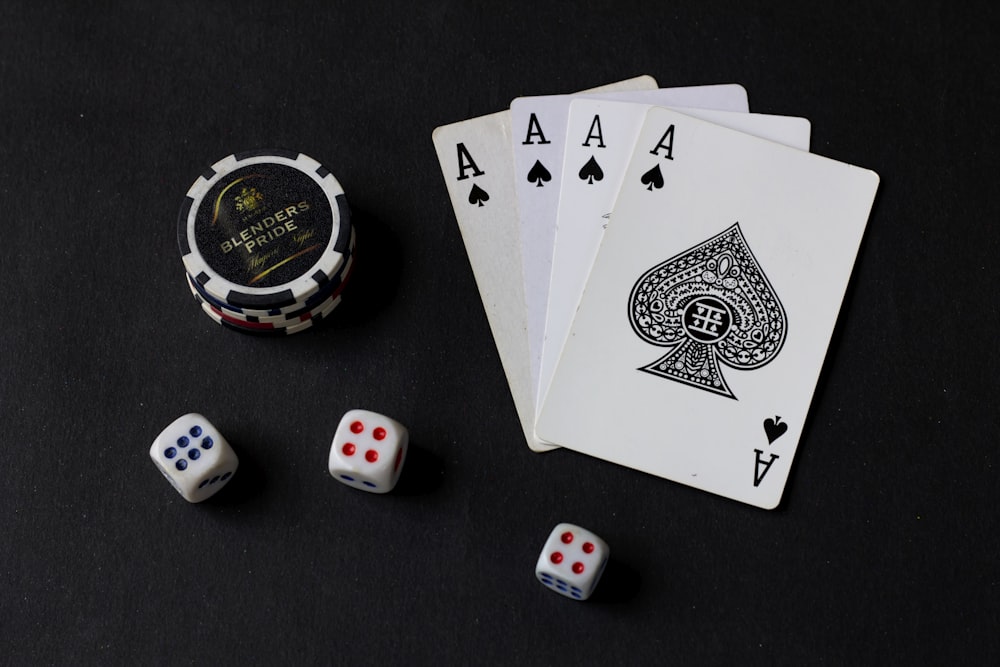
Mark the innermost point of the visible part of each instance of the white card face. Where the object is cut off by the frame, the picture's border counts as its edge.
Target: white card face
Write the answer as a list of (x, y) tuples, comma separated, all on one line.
[(539, 130), (700, 336), (478, 167), (477, 164), (600, 135)]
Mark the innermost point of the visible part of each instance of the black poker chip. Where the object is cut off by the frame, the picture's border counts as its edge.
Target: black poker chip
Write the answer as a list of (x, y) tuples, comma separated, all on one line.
[(334, 284), (266, 238)]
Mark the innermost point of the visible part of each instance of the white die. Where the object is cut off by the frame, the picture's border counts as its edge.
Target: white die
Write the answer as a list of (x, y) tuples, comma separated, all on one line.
[(194, 457), (572, 561), (368, 451)]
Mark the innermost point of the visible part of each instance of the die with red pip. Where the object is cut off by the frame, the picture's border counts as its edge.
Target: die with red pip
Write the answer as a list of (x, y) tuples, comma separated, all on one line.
[(572, 561), (368, 451)]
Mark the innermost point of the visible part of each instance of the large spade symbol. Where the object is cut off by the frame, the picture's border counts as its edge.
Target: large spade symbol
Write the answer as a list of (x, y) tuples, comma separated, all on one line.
[(709, 305)]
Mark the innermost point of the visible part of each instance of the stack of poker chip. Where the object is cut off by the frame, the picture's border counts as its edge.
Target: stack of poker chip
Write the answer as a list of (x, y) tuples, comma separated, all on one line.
[(267, 242)]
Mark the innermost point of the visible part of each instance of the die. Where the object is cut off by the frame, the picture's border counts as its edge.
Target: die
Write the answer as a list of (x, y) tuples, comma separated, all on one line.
[(194, 457), (572, 561), (368, 451)]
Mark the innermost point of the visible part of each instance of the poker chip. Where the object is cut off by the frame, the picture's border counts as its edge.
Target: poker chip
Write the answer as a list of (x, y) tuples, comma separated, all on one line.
[(333, 285), (266, 241), (284, 315), (311, 308), (268, 328)]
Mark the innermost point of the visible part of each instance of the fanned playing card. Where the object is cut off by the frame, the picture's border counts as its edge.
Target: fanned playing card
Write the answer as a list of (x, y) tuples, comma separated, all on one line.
[(478, 167), (539, 132), (702, 329), (606, 130)]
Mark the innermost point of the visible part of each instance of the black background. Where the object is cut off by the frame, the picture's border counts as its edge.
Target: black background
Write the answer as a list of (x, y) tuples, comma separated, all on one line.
[(884, 549)]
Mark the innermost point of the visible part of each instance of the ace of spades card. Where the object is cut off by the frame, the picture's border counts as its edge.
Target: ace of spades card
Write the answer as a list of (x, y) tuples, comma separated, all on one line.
[(580, 220), (704, 323)]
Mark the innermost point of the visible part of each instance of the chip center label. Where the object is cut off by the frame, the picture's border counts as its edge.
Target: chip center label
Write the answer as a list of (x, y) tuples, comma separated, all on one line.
[(263, 225)]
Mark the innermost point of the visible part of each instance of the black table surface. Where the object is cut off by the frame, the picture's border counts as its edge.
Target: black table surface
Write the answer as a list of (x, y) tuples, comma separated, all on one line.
[(883, 551)]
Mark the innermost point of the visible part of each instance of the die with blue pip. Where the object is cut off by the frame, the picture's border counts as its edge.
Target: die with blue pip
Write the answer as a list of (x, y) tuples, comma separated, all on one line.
[(194, 457)]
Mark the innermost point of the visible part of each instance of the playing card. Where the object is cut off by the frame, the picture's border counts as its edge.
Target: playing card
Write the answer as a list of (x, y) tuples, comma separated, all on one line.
[(600, 137), (539, 130), (701, 332), (477, 163)]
